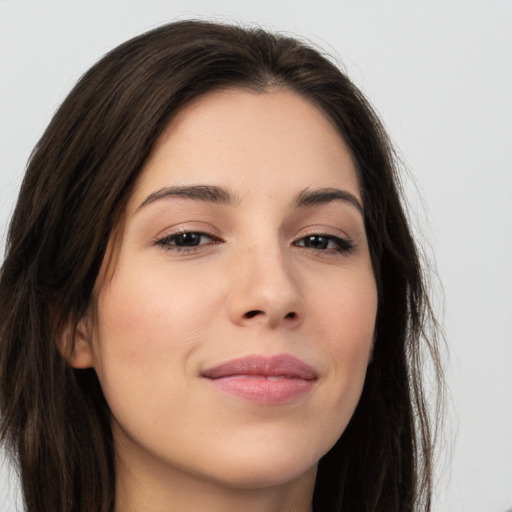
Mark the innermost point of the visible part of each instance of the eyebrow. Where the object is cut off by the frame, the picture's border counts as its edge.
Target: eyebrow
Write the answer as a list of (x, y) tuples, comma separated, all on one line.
[(207, 193), (222, 195), (326, 195)]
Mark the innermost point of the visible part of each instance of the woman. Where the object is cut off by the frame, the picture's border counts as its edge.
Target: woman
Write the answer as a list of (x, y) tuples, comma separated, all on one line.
[(211, 299)]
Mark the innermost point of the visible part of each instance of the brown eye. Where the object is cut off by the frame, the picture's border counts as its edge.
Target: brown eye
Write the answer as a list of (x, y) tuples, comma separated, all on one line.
[(326, 243), (316, 242), (186, 240)]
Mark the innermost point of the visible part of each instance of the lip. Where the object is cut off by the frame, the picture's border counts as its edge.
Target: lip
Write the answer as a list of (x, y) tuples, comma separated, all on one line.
[(264, 380)]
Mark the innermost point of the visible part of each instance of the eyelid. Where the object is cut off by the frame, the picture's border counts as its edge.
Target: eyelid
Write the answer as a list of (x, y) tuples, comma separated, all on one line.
[(178, 233), (187, 227), (323, 230), (163, 239)]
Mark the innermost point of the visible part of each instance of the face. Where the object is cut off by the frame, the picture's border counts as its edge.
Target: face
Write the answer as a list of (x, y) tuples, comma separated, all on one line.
[(233, 336)]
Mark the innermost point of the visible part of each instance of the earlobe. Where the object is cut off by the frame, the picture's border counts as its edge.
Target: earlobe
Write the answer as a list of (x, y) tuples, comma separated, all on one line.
[(76, 344)]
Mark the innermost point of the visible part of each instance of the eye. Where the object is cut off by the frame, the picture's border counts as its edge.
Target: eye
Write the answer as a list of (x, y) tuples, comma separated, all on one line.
[(186, 241), (326, 243)]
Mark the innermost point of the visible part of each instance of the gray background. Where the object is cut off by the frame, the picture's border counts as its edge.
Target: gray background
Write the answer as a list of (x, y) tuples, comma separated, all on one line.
[(440, 75)]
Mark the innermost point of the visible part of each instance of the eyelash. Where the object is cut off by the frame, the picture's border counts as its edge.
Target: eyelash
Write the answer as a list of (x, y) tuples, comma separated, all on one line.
[(343, 245), (166, 241)]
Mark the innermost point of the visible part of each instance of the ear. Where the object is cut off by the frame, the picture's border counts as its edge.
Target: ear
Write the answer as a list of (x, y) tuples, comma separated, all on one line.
[(76, 343)]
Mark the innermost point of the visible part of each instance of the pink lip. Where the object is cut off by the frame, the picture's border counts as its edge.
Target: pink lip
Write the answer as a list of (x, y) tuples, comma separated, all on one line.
[(264, 380)]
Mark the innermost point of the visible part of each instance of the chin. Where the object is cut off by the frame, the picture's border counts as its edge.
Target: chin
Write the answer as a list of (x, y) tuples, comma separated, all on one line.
[(259, 465), (264, 475)]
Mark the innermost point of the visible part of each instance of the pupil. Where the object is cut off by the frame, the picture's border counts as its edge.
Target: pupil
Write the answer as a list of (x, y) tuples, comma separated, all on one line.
[(188, 239), (316, 242)]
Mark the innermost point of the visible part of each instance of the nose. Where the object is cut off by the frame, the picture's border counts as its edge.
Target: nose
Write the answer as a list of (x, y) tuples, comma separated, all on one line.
[(266, 290)]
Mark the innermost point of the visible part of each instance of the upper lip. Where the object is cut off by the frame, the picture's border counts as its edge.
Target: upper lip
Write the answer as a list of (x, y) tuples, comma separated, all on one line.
[(282, 365)]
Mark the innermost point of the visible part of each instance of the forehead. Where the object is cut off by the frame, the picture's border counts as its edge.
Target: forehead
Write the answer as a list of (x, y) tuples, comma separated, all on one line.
[(250, 141)]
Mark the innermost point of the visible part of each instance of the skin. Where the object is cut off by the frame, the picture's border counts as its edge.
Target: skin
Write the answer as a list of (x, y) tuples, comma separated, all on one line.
[(164, 315)]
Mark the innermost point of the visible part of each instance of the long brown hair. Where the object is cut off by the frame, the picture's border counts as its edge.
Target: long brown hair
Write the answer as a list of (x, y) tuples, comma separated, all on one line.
[(54, 418)]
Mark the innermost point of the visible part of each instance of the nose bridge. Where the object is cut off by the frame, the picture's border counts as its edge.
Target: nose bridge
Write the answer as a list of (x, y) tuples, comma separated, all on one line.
[(267, 288), (273, 272)]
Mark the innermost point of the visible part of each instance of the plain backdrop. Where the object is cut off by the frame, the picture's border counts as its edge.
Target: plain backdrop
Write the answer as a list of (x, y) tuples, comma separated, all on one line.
[(440, 75)]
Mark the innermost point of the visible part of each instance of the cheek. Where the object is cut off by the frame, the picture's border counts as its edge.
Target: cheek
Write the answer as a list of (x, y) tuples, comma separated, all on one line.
[(148, 317), (348, 312), (345, 331), (145, 339)]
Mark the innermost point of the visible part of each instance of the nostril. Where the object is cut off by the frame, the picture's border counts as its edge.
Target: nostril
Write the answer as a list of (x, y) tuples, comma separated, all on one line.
[(253, 313)]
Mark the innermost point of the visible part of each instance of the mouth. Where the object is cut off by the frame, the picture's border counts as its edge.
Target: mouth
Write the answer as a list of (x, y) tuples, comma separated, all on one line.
[(264, 380)]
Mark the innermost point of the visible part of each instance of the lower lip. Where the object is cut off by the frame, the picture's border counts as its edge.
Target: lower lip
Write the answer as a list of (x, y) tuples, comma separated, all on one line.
[(264, 391)]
